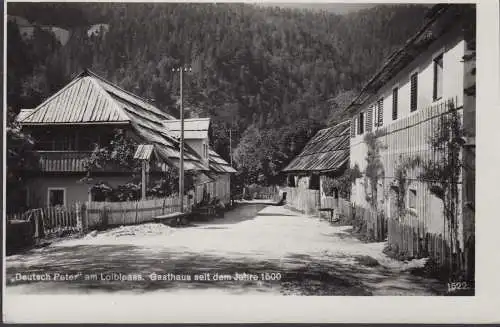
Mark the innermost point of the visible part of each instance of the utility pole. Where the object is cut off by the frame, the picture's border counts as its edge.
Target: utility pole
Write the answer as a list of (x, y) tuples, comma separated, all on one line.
[(181, 144), (230, 148)]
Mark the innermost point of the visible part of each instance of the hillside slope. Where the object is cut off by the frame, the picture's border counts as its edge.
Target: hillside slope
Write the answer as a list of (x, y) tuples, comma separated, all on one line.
[(266, 72)]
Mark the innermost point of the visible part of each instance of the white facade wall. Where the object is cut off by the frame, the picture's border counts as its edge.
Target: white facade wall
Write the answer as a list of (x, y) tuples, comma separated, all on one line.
[(409, 133)]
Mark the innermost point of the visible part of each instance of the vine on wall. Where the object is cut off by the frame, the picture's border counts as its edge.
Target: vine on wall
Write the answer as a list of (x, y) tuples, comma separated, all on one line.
[(342, 184), (442, 175), (374, 171), (405, 165)]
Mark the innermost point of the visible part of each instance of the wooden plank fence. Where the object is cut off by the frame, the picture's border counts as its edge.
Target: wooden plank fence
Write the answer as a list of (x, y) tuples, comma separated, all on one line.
[(50, 221), (303, 200), (366, 221), (104, 214), (261, 192)]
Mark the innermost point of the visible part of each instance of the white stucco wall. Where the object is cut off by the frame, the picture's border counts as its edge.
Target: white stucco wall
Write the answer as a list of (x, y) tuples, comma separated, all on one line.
[(75, 191), (409, 133)]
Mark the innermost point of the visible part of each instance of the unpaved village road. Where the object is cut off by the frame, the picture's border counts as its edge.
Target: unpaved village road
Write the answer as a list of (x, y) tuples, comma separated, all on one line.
[(304, 255)]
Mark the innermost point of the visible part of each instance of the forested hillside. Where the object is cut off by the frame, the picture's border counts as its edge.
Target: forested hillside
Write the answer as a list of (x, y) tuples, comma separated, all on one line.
[(273, 75)]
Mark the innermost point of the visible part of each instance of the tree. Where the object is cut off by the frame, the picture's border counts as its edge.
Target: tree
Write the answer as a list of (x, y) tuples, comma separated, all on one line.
[(21, 158), (374, 171)]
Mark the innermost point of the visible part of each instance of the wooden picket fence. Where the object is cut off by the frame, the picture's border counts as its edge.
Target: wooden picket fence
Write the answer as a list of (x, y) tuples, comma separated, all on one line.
[(411, 239), (35, 224), (370, 223), (104, 214)]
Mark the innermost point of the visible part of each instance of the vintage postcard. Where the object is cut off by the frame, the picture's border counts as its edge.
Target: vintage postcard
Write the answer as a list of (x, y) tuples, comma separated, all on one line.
[(170, 154)]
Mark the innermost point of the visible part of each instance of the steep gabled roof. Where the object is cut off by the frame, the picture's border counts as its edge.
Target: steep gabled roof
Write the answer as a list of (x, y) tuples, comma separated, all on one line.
[(328, 150), (90, 99), (441, 18), (83, 100)]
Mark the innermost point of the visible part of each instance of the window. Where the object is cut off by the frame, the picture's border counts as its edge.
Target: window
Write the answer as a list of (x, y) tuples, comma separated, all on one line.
[(412, 199), (438, 78), (314, 182), (361, 123), (56, 197), (414, 92), (395, 103), (353, 127), (380, 112)]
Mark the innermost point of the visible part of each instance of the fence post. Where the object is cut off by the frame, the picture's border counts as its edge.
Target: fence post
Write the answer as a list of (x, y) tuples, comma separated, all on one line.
[(78, 211), (84, 215)]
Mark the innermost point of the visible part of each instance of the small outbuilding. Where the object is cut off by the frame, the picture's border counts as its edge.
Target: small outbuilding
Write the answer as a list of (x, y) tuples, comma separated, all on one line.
[(325, 157)]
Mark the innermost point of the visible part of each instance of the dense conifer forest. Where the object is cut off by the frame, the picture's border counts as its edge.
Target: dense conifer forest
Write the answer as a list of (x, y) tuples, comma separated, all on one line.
[(273, 76)]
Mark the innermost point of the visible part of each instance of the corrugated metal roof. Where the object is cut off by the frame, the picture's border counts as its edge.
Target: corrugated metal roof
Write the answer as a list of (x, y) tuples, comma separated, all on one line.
[(328, 150), (143, 151)]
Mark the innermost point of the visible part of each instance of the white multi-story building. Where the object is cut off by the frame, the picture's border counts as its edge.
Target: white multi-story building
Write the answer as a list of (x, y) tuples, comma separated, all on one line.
[(402, 105)]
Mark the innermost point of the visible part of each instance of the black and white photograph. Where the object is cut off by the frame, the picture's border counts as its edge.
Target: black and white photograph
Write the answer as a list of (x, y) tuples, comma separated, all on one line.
[(246, 149)]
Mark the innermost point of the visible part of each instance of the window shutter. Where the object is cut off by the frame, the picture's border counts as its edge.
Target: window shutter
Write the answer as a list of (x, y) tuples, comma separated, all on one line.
[(380, 112), (361, 123), (353, 127), (414, 92), (369, 119), (395, 104)]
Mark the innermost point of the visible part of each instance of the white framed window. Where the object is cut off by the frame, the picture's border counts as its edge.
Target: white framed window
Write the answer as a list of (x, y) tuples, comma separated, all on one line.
[(56, 196)]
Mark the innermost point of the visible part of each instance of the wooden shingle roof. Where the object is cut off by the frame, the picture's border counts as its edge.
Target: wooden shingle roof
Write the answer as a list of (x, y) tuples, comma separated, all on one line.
[(90, 99), (328, 150)]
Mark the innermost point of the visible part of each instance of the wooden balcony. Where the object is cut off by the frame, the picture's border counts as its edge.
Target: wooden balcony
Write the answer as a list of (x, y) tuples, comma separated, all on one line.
[(74, 162)]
